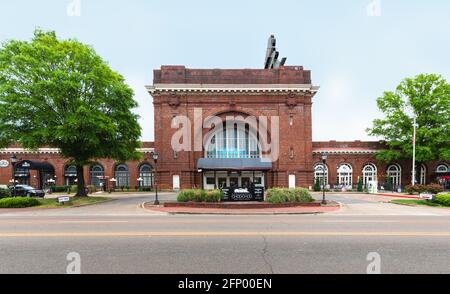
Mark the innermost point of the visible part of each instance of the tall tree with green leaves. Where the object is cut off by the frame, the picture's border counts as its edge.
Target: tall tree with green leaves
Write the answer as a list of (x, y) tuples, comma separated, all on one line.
[(61, 94), (427, 97)]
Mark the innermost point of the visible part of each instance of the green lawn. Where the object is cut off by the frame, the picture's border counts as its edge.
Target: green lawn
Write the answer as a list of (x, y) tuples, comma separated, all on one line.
[(74, 201), (417, 202)]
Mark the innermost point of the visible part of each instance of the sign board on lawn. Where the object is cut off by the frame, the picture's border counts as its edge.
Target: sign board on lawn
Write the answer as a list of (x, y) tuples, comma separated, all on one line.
[(426, 196), (63, 199)]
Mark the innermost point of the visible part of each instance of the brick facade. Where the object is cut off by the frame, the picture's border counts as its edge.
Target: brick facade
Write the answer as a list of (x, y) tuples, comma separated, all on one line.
[(286, 93)]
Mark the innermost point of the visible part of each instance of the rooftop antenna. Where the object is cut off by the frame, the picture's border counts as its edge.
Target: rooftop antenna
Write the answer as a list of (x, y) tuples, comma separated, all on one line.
[(272, 55)]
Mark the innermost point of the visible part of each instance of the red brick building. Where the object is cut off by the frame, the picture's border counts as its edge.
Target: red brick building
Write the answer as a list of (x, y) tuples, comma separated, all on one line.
[(280, 100)]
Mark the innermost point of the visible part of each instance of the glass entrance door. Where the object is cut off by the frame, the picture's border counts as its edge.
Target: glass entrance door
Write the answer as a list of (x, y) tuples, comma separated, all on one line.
[(223, 179)]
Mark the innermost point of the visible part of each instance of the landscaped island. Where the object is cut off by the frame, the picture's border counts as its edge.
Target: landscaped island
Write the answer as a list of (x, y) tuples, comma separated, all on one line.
[(274, 195)]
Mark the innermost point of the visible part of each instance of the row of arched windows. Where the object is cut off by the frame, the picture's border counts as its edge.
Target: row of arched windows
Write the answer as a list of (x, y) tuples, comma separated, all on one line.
[(369, 173), (121, 175)]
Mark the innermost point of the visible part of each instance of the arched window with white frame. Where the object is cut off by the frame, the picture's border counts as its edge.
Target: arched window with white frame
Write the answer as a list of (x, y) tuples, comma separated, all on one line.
[(146, 175), (321, 174), (233, 142), (442, 169), (394, 173), (96, 175), (369, 173), (122, 176), (422, 175), (345, 175)]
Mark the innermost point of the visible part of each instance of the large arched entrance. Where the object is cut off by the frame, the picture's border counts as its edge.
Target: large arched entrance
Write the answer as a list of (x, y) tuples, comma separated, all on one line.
[(42, 179), (233, 161)]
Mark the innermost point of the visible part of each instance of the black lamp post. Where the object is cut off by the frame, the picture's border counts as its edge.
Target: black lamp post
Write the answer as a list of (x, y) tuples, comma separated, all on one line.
[(324, 160), (201, 175), (155, 156), (13, 164)]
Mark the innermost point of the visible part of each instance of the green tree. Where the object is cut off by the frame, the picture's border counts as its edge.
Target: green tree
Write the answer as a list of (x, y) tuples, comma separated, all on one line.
[(427, 96), (61, 94)]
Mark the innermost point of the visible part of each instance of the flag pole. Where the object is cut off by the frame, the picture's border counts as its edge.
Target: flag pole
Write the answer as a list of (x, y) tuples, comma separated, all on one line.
[(413, 181)]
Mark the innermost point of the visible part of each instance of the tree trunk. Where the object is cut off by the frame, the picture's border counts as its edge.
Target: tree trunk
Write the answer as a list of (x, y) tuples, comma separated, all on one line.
[(81, 192)]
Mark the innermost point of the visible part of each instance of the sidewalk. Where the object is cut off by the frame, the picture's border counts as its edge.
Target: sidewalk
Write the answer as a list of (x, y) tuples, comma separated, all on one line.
[(222, 211)]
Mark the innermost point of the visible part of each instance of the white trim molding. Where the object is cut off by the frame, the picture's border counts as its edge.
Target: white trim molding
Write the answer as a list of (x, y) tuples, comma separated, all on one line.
[(18, 150), (345, 151), (232, 88)]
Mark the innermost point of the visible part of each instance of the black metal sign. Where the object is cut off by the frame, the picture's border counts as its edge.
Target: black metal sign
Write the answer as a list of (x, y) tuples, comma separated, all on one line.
[(243, 194)]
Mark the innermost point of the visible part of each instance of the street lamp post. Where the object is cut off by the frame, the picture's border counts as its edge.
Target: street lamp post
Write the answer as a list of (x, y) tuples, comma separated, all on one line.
[(13, 164), (324, 160), (155, 156)]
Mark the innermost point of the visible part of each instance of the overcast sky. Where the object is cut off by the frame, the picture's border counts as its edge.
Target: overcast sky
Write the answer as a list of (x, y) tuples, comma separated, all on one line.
[(356, 49)]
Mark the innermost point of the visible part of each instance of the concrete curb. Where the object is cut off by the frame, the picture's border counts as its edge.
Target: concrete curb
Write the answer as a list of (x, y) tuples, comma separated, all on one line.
[(239, 214), (398, 196)]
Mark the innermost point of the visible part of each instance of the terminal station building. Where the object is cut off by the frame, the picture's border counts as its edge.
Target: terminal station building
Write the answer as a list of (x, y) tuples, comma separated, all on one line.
[(232, 156)]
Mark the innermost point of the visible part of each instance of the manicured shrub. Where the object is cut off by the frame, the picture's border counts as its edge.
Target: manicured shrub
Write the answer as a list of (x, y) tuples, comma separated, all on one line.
[(60, 189), (18, 202), (278, 195), (5, 193), (214, 196), (317, 187), (417, 189), (197, 195), (360, 185), (434, 188), (443, 199)]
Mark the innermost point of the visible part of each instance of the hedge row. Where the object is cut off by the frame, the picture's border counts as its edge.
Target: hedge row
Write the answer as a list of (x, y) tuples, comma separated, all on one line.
[(18, 202), (417, 189), (279, 195), (195, 195), (5, 193), (443, 199)]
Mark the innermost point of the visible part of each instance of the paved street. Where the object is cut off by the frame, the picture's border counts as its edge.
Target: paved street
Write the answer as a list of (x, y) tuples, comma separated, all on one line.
[(121, 237)]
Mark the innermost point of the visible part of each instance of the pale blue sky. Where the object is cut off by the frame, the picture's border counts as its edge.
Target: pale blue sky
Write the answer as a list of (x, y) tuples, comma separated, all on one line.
[(354, 57)]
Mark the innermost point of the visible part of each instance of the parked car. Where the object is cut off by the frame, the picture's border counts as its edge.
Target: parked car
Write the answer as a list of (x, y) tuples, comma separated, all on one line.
[(25, 190), (4, 187)]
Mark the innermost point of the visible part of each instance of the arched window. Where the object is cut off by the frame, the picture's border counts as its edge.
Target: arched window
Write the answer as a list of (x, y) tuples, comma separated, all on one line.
[(344, 175), (233, 142), (422, 174), (320, 170), (122, 176), (441, 169), (394, 173), (146, 174), (369, 173), (70, 175), (96, 175)]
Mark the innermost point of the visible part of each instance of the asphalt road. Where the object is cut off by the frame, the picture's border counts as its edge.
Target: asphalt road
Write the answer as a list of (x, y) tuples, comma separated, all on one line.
[(121, 237)]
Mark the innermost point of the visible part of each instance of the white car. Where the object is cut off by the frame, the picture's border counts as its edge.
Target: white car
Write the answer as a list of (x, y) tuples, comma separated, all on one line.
[(4, 187)]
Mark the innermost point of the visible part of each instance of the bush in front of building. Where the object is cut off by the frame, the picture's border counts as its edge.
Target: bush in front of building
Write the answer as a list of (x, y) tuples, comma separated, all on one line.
[(198, 195), (443, 199), (18, 202), (5, 193), (317, 187), (417, 189), (298, 195), (60, 189), (360, 185)]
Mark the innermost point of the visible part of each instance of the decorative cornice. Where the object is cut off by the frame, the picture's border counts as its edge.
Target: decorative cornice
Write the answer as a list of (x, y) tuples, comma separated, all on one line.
[(231, 88), (51, 150)]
